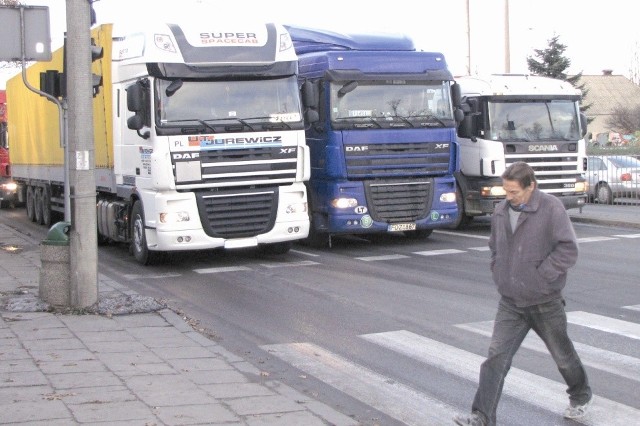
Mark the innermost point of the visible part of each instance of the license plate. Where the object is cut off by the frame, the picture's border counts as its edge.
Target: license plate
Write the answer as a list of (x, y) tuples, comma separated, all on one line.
[(397, 227), (240, 243)]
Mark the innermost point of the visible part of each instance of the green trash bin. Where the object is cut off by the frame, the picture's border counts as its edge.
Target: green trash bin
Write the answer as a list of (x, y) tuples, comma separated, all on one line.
[(58, 235), (55, 277)]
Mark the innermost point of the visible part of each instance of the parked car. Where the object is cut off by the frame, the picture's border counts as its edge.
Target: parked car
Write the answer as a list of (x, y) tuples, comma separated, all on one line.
[(612, 176)]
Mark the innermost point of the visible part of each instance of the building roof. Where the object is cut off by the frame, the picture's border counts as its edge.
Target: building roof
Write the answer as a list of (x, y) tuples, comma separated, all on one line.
[(605, 93)]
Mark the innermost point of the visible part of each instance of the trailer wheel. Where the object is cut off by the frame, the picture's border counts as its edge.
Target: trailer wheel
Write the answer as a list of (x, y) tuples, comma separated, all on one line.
[(39, 206), (138, 246), (46, 206), (31, 204)]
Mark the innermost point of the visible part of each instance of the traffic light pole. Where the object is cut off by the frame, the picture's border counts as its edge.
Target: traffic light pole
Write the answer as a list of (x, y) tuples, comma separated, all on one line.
[(81, 157), (62, 116)]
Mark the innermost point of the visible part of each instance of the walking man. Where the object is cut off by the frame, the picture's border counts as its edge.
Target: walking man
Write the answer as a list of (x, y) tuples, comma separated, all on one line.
[(532, 245)]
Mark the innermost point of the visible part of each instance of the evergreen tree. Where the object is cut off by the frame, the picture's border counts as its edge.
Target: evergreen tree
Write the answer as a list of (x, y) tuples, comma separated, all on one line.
[(551, 62)]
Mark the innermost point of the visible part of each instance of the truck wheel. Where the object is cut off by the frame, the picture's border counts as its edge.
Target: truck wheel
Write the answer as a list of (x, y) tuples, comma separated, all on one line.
[(31, 204), (138, 246), (39, 208), (463, 219), (46, 206)]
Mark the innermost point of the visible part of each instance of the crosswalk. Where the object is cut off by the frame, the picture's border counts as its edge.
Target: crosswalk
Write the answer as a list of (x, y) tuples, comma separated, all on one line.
[(417, 407)]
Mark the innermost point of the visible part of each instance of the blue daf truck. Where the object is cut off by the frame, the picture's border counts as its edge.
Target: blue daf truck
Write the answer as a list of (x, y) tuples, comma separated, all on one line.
[(381, 123)]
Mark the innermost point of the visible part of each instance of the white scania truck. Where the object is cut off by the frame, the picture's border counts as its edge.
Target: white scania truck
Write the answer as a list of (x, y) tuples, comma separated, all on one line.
[(511, 118), (199, 138)]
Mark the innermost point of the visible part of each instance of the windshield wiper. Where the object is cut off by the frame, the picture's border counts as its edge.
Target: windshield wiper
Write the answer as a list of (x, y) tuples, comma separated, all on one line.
[(182, 120)]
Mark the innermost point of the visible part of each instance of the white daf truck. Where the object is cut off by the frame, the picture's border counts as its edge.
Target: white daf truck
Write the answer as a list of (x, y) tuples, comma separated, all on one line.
[(511, 118), (199, 138)]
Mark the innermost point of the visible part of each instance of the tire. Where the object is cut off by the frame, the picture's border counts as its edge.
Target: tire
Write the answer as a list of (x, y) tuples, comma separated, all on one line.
[(46, 206), (31, 203), (604, 194), (463, 219), (317, 239), (138, 246), (39, 208)]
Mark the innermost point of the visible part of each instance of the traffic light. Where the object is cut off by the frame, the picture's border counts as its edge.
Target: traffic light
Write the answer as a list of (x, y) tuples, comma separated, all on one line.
[(53, 83), (96, 79)]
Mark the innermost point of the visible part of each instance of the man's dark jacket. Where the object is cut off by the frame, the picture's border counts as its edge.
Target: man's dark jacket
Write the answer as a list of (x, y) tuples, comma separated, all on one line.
[(530, 265)]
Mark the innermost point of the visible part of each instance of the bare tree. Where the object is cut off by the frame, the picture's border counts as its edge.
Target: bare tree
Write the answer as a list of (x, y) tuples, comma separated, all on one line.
[(625, 120), (634, 68)]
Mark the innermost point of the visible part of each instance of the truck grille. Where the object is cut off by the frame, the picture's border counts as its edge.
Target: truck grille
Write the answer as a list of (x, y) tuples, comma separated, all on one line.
[(243, 167), (397, 159), (239, 214), (556, 173), (399, 201)]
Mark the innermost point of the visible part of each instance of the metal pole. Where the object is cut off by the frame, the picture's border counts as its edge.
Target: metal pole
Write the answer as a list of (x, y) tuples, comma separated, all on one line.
[(507, 46), (83, 233)]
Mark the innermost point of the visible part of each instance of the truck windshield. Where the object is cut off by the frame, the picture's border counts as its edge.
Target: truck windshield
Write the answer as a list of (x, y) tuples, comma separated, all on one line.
[(391, 103), (227, 102), (533, 121)]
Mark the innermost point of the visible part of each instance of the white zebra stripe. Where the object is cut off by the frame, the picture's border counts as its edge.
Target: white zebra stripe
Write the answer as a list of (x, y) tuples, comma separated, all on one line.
[(535, 390), (384, 394), (602, 323), (602, 359)]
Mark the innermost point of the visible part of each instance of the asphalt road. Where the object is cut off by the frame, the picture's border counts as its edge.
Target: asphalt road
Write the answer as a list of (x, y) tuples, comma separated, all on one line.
[(387, 329)]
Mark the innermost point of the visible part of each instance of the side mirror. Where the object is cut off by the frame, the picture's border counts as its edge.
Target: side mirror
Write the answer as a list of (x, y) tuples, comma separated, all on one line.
[(135, 97), (583, 123), (135, 122), (311, 116), (456, 95), (310, 95)]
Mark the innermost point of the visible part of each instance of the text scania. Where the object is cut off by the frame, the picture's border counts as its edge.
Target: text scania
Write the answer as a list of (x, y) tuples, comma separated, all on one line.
[(539, 148), (228, 38)]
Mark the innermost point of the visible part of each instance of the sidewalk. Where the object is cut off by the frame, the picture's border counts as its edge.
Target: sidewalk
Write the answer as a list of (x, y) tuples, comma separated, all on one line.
[(610, 215), (147, 368)]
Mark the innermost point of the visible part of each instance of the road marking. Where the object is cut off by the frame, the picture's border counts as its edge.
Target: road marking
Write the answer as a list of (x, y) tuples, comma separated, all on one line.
[(150, 276), (438, 252), (385, 257), (289, 264), (628, 236), (535, 390), (221, 269), (602, 323), (461, 234), (595, 239), (382, 393), (483, 248), (611, 362), (304, 253), (633, 307)]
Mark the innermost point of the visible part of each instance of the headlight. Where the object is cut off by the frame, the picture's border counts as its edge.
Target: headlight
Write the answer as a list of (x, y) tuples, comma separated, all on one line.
[(174, 217), (492, 191), (344, 203), (581, 187), (10, 187), (448, 197)]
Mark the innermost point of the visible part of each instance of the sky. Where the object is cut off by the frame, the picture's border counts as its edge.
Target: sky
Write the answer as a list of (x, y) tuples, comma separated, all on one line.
[(598, 35)]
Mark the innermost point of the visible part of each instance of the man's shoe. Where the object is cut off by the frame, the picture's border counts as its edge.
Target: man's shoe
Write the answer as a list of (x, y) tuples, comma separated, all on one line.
[(576, 411), (472, 419)]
